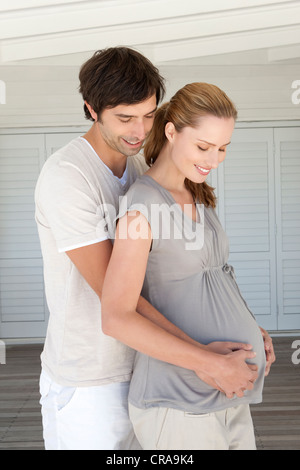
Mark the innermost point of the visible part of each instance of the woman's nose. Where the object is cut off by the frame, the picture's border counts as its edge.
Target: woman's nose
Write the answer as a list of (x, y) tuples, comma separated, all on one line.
[(214, 159)]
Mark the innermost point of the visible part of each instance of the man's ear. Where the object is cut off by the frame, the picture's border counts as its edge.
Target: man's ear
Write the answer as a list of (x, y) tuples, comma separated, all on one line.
[(170, 131), (92, 112)]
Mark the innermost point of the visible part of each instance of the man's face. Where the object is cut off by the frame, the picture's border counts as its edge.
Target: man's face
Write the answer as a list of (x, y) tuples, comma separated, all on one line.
[(125, 127)]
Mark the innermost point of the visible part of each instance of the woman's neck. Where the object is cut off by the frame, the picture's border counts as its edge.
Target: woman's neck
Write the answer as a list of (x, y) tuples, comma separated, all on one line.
[(164, 172)]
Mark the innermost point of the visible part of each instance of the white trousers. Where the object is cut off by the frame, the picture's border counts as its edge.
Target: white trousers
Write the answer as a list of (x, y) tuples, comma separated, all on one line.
[(170, 429), (86, 418)]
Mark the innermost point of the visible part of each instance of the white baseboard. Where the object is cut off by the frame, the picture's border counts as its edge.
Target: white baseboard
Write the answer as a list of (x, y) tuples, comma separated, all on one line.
[(20, 341), (284, 333)]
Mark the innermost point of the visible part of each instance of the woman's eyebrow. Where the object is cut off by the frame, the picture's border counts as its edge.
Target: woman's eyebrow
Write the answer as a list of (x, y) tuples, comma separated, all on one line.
[(209, 143)]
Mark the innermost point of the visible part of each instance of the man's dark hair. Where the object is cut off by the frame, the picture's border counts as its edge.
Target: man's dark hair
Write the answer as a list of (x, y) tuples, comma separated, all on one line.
[(118, 75)]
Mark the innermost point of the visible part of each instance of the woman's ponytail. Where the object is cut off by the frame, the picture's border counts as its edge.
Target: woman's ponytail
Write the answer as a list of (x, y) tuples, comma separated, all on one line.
[(156, 138)]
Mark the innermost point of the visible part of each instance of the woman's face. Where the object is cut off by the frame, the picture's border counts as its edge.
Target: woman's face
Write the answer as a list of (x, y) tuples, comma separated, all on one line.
[(195, 151)]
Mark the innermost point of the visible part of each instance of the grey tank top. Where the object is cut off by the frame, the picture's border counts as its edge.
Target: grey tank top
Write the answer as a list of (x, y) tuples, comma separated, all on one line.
[(189, 281)]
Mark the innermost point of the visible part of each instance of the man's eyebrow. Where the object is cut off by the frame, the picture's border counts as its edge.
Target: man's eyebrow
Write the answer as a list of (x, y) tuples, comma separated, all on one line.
[(209, 143), (132, 115), (151, 112), (124, 115)]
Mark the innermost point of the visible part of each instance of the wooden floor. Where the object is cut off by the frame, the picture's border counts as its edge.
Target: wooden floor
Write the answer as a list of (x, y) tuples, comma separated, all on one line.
[(276, 420)]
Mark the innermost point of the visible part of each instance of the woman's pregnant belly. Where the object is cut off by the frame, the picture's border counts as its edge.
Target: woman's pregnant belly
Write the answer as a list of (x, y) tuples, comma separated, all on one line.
[(208, 307)]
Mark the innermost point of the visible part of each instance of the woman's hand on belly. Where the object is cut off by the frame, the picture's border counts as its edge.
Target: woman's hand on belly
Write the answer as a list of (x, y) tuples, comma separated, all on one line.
[(269, 350)]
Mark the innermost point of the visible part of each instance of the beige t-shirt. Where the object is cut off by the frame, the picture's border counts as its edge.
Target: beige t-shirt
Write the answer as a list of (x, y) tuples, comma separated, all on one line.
[(77, 202)]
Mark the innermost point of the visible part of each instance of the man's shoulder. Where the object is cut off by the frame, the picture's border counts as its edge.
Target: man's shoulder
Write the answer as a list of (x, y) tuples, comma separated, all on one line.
[(75, 158), (66, 166), (71, 152)]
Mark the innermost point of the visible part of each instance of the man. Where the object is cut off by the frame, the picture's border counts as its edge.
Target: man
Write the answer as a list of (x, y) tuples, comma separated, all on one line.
[(85, 374)]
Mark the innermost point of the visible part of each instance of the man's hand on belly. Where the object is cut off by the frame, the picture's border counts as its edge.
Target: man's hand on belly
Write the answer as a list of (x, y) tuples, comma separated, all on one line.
[(232, 374)]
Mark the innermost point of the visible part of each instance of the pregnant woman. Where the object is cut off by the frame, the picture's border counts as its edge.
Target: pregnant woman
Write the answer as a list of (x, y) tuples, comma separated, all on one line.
[(171, 249)]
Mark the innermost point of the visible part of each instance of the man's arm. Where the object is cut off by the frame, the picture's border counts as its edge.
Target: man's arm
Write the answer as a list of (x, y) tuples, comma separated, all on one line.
[(92, 261), (157, 337)]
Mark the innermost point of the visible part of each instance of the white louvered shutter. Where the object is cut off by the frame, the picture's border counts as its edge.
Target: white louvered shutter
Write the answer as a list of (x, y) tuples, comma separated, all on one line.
[(23, 307), (23, 311), (287, 157), (246, 186)]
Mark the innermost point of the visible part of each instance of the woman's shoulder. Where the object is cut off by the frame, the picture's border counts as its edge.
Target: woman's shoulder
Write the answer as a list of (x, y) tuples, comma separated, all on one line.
[(145, 190)]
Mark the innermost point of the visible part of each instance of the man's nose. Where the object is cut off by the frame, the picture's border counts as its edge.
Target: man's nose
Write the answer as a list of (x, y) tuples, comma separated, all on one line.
[(139, 130)]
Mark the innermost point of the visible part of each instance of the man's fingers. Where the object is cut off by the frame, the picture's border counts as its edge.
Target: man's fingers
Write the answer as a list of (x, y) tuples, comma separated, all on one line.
[(250, 354), (237, 346)]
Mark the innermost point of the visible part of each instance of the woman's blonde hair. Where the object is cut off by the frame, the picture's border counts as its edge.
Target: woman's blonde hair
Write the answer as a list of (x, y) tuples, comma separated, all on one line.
[(187, 106)]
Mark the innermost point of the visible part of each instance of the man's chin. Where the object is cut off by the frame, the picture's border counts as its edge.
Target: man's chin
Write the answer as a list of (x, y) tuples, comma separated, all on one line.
[(131, 149), (131, 152)]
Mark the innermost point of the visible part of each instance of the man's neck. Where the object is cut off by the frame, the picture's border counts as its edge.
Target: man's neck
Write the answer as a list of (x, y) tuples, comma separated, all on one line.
[(114, 160)]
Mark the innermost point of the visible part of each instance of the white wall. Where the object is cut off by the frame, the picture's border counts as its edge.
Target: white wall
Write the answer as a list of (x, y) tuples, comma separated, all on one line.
[(40, 96), (260, 92), (48, 95)]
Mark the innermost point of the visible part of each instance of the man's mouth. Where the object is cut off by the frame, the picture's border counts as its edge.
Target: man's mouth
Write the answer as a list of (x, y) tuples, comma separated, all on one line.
[(132, 143)]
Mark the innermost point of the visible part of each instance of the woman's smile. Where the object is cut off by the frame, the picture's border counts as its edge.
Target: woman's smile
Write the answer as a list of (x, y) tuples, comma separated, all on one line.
[(202, 171)]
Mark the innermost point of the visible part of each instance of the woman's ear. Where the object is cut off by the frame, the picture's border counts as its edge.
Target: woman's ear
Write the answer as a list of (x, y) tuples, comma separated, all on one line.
[(92, 112), (170, 131)]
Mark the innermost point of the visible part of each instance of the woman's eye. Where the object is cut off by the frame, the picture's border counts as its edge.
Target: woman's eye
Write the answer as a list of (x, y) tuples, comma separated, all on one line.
[(203, 150)]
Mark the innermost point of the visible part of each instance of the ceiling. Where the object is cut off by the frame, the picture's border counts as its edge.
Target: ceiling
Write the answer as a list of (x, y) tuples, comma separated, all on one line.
[(66, 32)]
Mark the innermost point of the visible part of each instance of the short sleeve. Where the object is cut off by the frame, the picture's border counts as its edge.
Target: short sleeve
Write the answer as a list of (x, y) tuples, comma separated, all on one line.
[(142, 199), (69, 206)]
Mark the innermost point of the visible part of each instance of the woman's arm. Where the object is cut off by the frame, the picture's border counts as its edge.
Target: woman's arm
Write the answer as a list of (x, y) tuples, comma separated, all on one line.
[(120, 317)]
